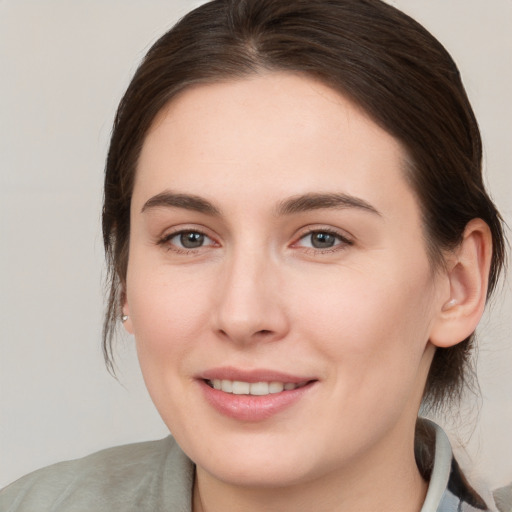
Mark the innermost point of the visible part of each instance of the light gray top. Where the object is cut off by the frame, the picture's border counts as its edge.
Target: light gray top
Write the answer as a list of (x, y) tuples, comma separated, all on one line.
[(156, 476), (144, 477)]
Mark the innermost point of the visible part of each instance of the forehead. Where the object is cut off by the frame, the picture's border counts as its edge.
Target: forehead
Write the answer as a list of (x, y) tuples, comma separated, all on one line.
[(304, 106), (277, 131)]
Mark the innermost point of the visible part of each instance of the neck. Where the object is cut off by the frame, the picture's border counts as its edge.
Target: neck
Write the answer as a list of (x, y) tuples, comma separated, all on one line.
[(385, 479)]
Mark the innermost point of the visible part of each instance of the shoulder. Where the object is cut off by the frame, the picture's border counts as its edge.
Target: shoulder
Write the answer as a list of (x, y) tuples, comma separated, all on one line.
[(127, 478)]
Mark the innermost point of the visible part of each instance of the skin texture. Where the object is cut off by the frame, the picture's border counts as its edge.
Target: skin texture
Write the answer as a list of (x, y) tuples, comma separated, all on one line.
[(356, 318)]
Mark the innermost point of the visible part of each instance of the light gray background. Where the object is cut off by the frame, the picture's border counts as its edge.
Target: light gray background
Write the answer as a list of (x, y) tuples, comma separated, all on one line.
[(63, 68)]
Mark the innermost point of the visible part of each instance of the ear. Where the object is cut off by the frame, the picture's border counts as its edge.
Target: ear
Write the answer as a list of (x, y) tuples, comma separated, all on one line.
[(125, 308), (468, 274)]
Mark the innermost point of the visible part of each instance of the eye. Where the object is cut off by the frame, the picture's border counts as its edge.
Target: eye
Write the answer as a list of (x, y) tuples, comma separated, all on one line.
[(190, 239), (187, 240), (322, 239)]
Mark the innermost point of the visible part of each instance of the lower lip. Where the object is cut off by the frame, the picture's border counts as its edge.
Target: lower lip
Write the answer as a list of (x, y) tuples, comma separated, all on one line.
[(252, 408)]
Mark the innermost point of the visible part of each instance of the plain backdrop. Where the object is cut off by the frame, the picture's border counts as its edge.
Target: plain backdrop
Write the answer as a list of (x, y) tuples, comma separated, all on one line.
[(63, 68)]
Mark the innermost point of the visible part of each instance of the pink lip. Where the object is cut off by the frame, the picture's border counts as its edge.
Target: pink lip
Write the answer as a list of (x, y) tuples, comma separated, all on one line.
[(249, 408)]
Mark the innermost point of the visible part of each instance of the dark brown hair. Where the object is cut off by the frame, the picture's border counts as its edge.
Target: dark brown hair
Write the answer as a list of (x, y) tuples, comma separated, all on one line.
[(367, 50)]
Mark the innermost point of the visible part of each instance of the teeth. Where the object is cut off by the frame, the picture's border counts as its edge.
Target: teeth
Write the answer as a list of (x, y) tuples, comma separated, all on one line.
[(259, 388), (238, 387), (277, 387), (227, 386)]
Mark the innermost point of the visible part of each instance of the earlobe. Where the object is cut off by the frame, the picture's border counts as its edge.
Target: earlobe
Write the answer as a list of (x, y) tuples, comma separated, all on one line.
[(127, 323), (468, 274), (125, 315)]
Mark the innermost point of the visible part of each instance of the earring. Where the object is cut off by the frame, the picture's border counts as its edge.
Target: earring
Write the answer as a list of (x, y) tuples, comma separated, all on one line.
[(124, 318)]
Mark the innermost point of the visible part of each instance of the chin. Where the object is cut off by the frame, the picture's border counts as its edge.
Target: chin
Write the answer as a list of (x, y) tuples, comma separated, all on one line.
[(269, 473), (261, 460)]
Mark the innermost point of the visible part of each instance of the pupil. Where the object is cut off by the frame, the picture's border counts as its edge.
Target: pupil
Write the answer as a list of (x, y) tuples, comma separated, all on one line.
[(322, 240), (191, 240)]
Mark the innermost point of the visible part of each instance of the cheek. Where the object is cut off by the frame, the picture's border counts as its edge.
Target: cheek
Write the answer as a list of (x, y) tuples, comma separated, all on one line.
[(370, 322), (168, 311), (168, 317), (351, 303), (375, 339)]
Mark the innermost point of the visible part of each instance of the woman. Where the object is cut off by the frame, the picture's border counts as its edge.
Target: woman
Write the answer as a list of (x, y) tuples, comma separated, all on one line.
[(301, 243)]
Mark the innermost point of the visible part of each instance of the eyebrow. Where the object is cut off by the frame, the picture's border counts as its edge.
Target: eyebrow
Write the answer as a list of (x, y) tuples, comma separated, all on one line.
[(296, 204), (185, 201), (306, 202)]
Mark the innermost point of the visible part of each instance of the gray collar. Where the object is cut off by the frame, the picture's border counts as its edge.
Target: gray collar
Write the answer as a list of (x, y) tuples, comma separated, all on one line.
[(440, 473)]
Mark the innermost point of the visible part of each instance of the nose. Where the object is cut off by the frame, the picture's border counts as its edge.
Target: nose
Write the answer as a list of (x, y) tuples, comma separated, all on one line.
[(250, 304)]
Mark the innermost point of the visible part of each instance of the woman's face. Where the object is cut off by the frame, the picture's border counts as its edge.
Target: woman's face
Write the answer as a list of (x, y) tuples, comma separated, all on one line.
[(277, 252)]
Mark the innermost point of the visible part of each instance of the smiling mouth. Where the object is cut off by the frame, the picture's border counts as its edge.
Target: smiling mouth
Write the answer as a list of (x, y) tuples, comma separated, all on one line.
[(237, 387)]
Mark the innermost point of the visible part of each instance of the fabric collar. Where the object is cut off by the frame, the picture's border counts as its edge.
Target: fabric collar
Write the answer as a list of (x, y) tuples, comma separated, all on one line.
[(440, 473)]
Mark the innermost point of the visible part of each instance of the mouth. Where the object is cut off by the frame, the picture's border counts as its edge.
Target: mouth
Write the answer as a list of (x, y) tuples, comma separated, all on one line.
[(254, 395), (263, 388)]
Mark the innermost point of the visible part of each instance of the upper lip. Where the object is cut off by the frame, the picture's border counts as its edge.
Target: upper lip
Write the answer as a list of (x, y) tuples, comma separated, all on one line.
[(254, 375)]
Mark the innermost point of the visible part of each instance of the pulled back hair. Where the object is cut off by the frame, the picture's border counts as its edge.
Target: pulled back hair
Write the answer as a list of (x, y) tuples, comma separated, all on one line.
[(368, 51)]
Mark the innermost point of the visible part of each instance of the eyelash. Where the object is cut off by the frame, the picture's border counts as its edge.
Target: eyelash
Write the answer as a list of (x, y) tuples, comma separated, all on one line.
[(165, 241), (341, 241)]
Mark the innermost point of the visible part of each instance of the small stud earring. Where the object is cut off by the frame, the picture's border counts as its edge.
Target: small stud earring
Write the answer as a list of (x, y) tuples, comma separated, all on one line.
[(124, 318), (449, 304)]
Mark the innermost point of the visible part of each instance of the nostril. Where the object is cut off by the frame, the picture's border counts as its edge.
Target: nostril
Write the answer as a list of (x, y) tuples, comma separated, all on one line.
[(261, 335)]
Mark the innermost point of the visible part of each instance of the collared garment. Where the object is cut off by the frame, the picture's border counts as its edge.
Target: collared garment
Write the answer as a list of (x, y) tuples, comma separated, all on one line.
[(157, 476)]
